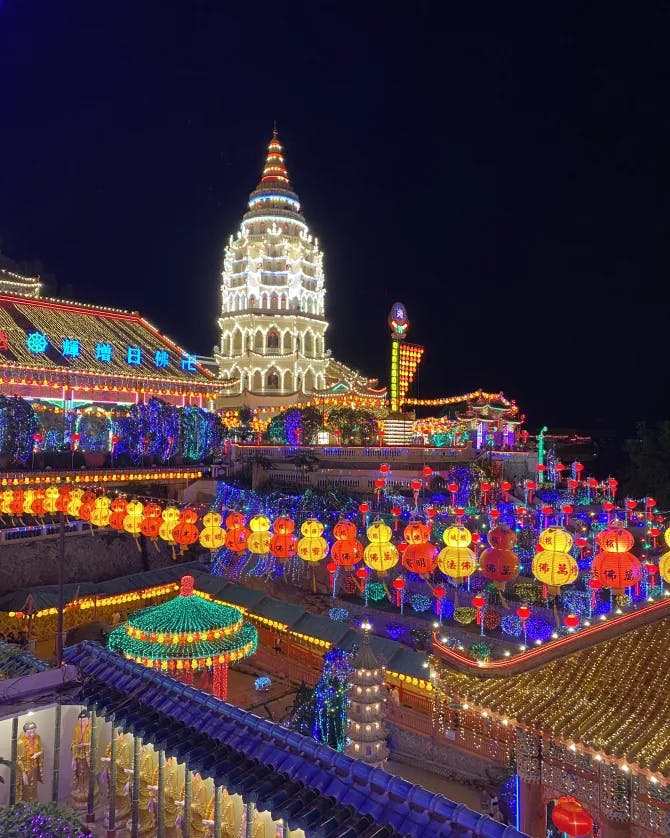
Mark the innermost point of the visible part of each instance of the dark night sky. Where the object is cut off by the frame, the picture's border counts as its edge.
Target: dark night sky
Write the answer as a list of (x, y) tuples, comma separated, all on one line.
[(502, 169)]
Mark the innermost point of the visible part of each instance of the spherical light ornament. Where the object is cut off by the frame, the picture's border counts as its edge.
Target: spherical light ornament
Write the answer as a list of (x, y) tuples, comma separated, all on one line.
[(259, 523), (499, 565), (416, 532), (502, 537), (617, 571), (554, 569), (420, 558), (344, 529), (378, 532)]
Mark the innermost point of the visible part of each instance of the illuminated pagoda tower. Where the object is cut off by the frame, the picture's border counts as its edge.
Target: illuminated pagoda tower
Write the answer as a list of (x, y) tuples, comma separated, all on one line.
[(365, 717), (187, 635), (272, 315)]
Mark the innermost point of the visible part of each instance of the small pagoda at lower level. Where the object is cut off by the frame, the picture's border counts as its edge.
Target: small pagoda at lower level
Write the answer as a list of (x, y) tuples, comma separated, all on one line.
[(187, 635), (366, 731)]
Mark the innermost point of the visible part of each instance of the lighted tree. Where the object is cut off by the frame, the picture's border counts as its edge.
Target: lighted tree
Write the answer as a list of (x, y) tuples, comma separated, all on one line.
[(331, 700), (302, 714), (17, 426)]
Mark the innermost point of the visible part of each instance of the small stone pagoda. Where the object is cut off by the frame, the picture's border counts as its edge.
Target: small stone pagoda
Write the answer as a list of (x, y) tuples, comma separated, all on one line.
[(366, 731), (187, 635)]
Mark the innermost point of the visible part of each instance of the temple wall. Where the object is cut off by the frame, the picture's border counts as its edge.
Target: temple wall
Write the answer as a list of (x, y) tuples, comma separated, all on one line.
[(31, 562)]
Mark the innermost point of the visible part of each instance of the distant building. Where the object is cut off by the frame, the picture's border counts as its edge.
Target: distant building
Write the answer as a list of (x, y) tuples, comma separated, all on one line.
[(14, 281)]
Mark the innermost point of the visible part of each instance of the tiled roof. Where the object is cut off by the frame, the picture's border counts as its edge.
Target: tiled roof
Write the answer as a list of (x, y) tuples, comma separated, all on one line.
[(608, 698), (88, 328), (15, 661), (312, 786)]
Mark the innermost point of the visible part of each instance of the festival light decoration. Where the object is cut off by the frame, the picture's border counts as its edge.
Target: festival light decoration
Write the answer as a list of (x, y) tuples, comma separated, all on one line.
[(380, 554), (553, 565)]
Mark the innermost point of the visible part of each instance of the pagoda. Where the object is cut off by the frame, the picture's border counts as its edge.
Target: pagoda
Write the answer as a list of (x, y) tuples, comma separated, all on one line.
[(272, 315), (366, 731), (185, 635)]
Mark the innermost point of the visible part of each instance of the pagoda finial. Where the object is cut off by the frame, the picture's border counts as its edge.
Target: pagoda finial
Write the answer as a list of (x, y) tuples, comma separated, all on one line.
[(274, 130), (186, 588), (274, 171)]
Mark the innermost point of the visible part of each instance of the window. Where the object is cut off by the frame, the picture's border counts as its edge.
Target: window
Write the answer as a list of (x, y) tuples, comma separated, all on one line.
[(272, 340), (272, 381)]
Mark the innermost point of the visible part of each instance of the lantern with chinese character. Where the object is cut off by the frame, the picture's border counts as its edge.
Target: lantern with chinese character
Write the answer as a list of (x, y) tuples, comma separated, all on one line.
[(99, 515), (553, 565), (258, 541), (118, 507), (664, 566), (420, 558), (170, 517), (499, 563), (457, 563), (16, 503), (74, 504), (416, 532), (312, 547), (132, 523), (457, 536), (237, 534), (347, 550), (615, 540), (151, 522), (284, 541), (212, 536), (380, 554), (617, 571)]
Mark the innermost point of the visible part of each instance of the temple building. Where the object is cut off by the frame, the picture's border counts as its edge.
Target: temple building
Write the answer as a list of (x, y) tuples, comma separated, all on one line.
[(273, 323)]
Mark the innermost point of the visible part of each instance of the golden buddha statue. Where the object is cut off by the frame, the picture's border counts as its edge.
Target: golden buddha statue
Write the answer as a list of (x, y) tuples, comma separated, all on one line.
[(81, 762), (124, 759), (146, 823), (202, 792), (172, 786), (227, 817), (29, 763)]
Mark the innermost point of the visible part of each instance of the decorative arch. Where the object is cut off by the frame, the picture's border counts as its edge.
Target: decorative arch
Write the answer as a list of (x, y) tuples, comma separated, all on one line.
[(309, 381), (282, 302), (274, 301), (225, 344), (264, 301), (287, 342), (258, 341), (257, 381), (252, 301), (288, 384), (272, 339), (237, 342), (318, 346), (272, 379), (308, 344)]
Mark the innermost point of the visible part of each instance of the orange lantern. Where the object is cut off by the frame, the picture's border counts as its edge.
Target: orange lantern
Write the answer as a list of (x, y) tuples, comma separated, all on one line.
[(502, 537), (416, 532), (118, 507), (617, 571), (186, 532), (570, 817), (420, 558), (500, 565), (38, 504), (344, 529), (615, 540), (284, 526), (16, 504), (346, 552), (237, 534), (283, 543)]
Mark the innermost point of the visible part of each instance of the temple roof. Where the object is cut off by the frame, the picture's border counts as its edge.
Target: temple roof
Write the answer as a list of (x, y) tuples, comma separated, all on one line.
[(613, 698), (52, 335), (312, 786)]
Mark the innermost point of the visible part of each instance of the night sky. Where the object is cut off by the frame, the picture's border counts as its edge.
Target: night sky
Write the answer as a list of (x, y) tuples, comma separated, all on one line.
[(501, 169)]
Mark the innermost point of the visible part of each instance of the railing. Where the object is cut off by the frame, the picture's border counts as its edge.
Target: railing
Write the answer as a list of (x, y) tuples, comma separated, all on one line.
[(98, 475)]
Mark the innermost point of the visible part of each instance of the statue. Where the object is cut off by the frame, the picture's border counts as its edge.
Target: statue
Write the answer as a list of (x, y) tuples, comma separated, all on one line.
[(81, 762), (146, 823), (29, 763), (202, 794), (227, 816), (171, 788), (124, 759)]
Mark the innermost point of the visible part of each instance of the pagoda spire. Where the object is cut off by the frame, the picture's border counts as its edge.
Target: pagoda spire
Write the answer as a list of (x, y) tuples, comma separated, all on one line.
[(274, 171)]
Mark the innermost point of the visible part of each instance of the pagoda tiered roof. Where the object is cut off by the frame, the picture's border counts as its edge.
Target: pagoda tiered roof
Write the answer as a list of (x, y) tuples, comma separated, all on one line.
[(51, 343)]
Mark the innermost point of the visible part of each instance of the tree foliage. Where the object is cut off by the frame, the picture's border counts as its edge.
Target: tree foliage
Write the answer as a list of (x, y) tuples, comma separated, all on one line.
[(356, 426)]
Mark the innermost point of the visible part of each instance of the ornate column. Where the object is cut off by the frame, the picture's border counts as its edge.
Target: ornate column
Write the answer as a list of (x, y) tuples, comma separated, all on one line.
[(56, 769), (135, 814), (14, 753), (217, 811), (111, 810), (186, 825), (160, 803), (614, 802), (533, 814), (249, 827), (93, 761)]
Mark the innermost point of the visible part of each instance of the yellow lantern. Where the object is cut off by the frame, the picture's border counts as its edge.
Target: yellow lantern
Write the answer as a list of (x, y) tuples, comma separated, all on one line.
[(259, 523), (74, 503), (170, 516), (554, 568), (556, 539), (51, 496), (666, 536), (313, 547), (664, 564), (100, 513), (457, 536), (457, 562), (6, 499), (213, 535), (28, 498), (132, 521), (380, 554)]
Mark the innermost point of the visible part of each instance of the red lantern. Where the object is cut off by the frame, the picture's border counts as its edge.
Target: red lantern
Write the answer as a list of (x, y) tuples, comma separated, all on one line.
[(430, 511), (594, 586), (502, 537), (453, 488), (582, 543), (495, 514), (344, 530), (571, 817), (523, 612), (572, 485), (396, 511), (617, 571), (399, 586), (439, 592), (384, 468), (415, 485), (427, 471), (363, 508), (347, 552), (478, 602), (500, 565), (485, 489), (506, 486), (379, 483), (115, 440), (362, 573), (652, 570), (571, 621), (654, 532), (567, 509)]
